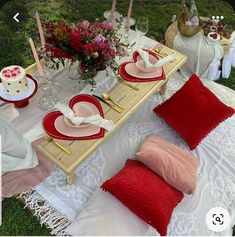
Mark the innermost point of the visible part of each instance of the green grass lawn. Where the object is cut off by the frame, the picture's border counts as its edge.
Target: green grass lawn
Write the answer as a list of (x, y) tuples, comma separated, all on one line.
[(14, 49)]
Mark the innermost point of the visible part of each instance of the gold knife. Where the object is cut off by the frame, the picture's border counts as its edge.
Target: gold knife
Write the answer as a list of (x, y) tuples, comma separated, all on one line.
[(128, 84), (63, 148), (107, 103)]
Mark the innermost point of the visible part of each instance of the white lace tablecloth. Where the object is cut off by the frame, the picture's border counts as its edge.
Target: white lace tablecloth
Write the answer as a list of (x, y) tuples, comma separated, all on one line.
[(216, 181)]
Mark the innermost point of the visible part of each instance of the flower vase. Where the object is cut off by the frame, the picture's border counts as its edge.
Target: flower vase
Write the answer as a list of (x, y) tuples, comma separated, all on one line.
[(74, 70), (87, 75)]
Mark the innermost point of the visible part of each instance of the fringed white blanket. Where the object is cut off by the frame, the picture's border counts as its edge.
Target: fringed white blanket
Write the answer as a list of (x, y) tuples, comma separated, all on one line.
[(216, 182), (43, 210)]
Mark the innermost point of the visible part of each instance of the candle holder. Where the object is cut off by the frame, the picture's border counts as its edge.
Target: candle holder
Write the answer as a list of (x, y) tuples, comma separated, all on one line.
[(132, 21), (116, 15)]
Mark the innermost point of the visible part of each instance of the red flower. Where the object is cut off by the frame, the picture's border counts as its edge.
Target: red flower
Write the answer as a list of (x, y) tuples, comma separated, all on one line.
[(112, 52), (75, 40), (90, 48), (57, 53)]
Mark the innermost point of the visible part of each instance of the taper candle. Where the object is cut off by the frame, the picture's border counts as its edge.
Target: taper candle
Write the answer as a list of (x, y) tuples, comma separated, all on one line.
[(36, 58), (129, 13), (39, 24), (113, 9)]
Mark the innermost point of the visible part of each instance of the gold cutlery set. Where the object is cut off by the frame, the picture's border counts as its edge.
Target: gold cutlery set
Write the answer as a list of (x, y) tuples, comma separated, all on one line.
[(59, 145), (158, 51), (105, 98), (127, 84)]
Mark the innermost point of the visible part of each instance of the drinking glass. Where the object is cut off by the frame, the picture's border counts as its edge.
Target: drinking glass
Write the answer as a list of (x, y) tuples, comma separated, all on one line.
[(48, 99), (48, 71), (48, 84), (141, 27)]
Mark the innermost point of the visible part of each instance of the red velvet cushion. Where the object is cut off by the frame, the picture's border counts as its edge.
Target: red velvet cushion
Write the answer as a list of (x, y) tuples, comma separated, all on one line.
[(193, 111), (145, 194)]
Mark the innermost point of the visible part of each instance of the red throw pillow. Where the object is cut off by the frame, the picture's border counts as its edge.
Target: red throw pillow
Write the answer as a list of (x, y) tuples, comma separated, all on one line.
[(193, 111), (145, 194)]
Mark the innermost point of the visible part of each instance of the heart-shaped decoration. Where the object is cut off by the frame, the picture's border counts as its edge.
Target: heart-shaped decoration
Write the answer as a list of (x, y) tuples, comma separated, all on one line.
[(213, 36), (49, 120), (131, 78), (127, 72)]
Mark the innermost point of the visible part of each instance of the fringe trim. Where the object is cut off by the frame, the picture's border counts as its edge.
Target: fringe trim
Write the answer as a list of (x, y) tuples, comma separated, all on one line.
[(46, 214)]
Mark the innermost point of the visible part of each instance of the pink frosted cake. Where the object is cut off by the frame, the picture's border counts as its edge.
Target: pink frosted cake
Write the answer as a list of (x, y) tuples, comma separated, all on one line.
[(14, 80)]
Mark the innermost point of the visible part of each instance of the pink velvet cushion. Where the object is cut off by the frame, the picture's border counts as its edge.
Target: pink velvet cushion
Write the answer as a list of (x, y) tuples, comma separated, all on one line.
[(176, 166)]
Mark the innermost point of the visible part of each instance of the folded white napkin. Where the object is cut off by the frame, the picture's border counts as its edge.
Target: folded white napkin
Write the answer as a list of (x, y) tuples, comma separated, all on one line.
[(77, 120), (145, 56)]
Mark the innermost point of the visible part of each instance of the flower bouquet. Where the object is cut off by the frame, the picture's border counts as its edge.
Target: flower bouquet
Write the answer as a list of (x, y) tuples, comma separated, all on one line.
[(93, 45)]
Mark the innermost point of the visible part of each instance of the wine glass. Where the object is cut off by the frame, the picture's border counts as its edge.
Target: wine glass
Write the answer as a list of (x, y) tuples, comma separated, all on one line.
[(141, 27)]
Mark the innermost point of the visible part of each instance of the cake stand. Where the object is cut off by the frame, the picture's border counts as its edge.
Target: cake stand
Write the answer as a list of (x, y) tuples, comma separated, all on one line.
[(21, 100)]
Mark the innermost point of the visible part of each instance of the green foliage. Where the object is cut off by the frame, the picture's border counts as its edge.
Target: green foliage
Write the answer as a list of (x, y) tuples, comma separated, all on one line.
[(19, 221), (15, 49)]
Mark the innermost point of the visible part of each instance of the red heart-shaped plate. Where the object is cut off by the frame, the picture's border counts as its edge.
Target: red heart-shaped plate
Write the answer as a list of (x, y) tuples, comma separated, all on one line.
[(49, 120)]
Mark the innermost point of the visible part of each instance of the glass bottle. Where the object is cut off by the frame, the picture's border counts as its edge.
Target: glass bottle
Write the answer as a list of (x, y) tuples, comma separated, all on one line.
[(184, 12), (194, 14)]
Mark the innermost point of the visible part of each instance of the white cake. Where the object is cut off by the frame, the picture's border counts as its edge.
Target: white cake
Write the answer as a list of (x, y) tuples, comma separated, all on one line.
[(14, 80)]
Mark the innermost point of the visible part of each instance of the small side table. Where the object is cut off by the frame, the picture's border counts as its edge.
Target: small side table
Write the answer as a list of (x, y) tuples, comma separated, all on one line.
[(201, 52)]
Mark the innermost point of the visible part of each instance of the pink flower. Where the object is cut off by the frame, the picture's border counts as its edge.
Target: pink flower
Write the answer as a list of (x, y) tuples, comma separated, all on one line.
[(106, 26), (85, 25), (98, 39)]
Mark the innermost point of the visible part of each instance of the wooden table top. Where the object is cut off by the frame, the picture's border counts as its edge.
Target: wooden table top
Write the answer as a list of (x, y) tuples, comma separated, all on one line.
[(129, 98)]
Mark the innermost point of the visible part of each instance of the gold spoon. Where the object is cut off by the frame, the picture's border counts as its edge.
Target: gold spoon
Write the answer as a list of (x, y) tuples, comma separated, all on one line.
[(106, 96)]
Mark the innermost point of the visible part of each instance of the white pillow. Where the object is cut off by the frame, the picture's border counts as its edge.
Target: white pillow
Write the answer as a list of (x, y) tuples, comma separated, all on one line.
[(105, 215)]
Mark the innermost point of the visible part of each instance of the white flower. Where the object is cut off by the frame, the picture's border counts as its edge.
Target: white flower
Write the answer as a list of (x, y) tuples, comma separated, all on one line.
[(95, 54)]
